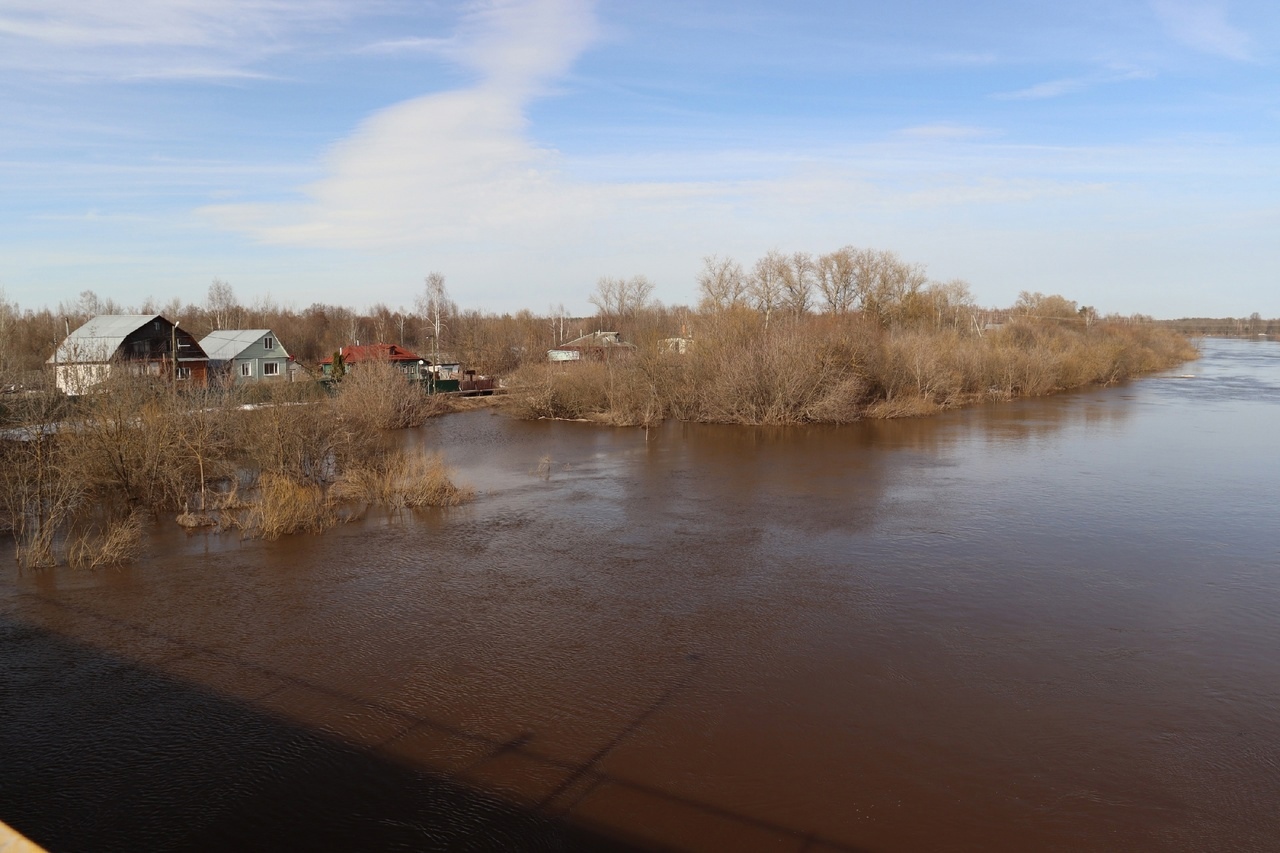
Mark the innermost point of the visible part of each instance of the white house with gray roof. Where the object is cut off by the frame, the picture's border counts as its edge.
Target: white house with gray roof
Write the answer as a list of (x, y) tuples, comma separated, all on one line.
[(248, 355), (138, 344)]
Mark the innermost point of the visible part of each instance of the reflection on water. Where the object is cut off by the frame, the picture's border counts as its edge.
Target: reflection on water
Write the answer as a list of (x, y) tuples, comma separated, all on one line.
[(1041, 625)]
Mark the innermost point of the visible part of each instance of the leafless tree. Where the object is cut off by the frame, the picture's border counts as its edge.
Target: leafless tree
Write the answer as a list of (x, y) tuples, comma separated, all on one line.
[(722, 283), (222, 305), (435, 307), (797, 283), (836, 279), (616, 298), (765, 288)]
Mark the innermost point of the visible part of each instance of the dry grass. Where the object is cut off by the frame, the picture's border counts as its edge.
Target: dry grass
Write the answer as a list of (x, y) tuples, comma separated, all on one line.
[(377, 396), (120, 542), (836, 370), (285, 505), (401, 481)]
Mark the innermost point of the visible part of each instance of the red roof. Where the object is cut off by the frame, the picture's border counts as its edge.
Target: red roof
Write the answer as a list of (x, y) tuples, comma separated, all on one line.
[(374, 352)]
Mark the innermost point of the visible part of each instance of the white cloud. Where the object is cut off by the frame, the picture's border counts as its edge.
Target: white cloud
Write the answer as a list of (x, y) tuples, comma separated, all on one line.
[(454, 166), (1048, 89), (154, 38), (944, 132), (1069, 85), (1203, 26)]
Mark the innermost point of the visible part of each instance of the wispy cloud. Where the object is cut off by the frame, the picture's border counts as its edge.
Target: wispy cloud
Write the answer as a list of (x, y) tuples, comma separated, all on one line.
[(154, 38), (1069, 85), (945, 132), (1203, 26), (455, 165), (1048, 89)]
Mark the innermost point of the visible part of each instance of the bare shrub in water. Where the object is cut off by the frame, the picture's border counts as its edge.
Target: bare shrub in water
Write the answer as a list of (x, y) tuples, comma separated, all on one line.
[(399, 481), (39, 490), (120, 541), (378, 396), (285, 505)]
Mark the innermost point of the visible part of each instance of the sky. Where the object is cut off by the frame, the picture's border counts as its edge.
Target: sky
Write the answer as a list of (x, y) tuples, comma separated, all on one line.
[(1123, 153)]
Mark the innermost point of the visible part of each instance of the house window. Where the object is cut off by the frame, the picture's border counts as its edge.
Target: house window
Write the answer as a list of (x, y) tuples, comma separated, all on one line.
[(246, 368), (271, 368), (184, 373), (268, 343)]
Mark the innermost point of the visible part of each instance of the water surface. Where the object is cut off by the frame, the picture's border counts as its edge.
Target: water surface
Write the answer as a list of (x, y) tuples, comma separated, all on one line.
[(1049, 624)]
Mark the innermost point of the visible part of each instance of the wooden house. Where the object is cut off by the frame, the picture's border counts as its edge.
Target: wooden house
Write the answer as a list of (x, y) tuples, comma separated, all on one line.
[(409, 363), (240, 356), (137, 344), (597, 346)]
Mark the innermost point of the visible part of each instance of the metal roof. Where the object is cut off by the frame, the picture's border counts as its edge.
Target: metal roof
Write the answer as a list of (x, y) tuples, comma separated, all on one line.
[(357, 353), (226, 344), (98, 339)]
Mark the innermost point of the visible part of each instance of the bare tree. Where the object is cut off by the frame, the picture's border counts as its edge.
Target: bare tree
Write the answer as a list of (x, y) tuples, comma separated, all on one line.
[(616, 298), (222, 305), (722, 283), (835, 276), (435, 306), (765, 287), (797, 283), (557, 318)]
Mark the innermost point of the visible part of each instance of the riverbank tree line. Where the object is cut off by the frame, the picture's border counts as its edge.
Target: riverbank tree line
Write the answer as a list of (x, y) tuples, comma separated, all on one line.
[(833, 338)]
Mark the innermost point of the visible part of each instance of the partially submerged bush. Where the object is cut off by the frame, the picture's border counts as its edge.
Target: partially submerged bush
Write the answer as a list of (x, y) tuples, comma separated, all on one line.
[(401, 481), (286, 505), (119, 541), (378, 396)]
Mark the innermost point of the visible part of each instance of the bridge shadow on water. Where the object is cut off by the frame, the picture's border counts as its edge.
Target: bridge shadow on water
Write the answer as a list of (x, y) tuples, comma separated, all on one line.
[(102, 752), (98, 753)]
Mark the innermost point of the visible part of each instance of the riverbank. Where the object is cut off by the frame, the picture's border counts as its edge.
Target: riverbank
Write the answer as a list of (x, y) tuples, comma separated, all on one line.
[(838, 372), (83, 486)]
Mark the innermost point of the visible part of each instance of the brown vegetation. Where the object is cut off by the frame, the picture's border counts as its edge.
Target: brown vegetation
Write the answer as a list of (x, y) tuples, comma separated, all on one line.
[(77, 477), (840, 368)]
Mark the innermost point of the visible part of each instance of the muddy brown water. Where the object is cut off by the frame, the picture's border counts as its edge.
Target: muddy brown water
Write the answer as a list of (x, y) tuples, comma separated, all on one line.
[(1046, 625)]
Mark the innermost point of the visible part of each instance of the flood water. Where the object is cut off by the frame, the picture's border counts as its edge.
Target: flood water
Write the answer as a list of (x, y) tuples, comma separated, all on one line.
[(1043, 625)]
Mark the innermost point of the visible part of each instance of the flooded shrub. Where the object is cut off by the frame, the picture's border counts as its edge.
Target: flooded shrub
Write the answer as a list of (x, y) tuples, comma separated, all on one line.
[(569, 391), (378, 396), (401, 480), (286, 505), (119, 542)]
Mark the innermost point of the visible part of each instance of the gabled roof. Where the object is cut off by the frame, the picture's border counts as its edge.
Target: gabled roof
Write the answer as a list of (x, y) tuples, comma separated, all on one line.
[(98, 339), (226, 344), (374, 352), (595, 339)]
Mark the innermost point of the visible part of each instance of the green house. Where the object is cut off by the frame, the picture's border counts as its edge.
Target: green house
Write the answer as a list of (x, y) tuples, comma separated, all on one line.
[(242, 356)]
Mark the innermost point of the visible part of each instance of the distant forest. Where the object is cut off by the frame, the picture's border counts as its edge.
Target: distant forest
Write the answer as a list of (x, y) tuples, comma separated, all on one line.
[(1234, 327)]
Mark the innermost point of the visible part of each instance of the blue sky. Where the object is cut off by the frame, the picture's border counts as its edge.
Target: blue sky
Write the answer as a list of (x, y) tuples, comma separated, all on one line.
[(1124, 154)]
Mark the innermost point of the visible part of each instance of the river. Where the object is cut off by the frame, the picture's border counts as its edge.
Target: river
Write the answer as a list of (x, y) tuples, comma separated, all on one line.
[(1049, 624)]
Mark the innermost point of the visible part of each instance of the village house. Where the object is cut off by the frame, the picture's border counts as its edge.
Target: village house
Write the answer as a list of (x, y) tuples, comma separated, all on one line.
[(138, 344), (409, 363), (242, 356), (597, 346)]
